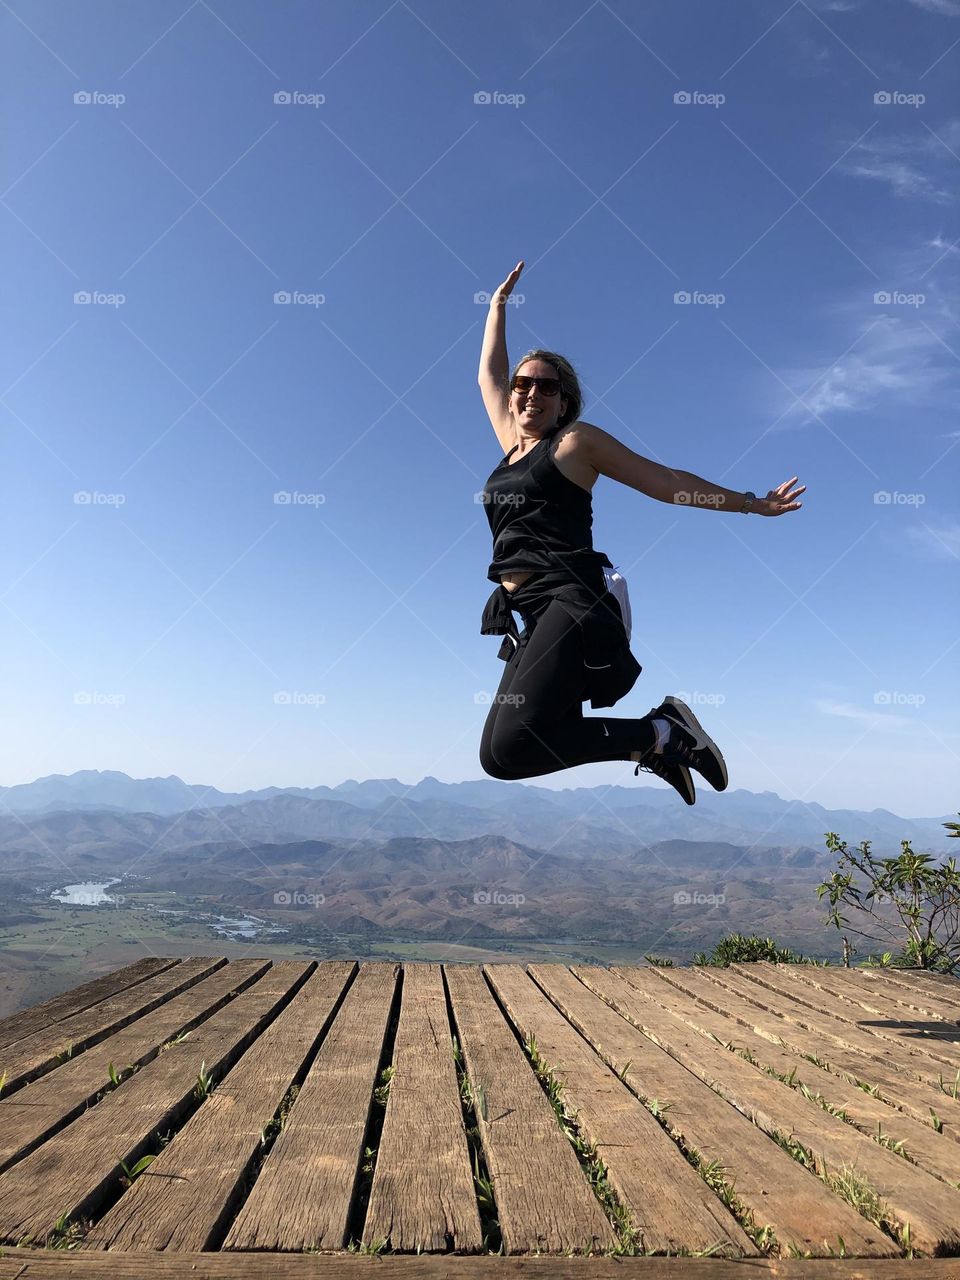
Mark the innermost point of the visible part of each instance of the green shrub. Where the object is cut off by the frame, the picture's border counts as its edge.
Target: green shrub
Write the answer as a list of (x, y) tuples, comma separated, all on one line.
[(920, 894), (738, 948)]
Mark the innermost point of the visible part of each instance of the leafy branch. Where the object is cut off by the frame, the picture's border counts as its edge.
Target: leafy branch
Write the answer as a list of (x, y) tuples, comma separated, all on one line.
[(920, 893)]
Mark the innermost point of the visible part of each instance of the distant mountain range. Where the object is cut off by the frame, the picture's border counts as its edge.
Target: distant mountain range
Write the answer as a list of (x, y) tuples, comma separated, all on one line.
[(485, 862), (93, 808)]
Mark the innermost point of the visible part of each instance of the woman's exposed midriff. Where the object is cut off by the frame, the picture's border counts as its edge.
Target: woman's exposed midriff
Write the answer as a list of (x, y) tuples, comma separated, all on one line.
[(517, 579)]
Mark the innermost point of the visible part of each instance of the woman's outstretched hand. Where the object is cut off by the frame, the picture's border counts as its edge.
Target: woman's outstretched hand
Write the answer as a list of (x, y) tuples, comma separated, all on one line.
[(780, 499), (503, 291)]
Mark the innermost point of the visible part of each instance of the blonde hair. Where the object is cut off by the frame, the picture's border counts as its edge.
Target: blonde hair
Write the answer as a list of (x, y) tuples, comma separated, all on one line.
[(569, 382)]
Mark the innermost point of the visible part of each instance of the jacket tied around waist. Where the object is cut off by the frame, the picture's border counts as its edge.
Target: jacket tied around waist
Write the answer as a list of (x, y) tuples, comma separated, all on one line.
[(601, 613)]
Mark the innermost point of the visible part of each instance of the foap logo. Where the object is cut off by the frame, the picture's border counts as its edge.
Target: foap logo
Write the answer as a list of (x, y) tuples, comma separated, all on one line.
[(499, 499), (96, 298), (897, 298), (95, 98), (297, 98), (694, 698), (94, 498), (483, 698), (894, 98), (297, 298), (483, 299), (96, 698), (295, 698), (494, 98), (497, 898), (684, 898), (893, 698), (690, 498), (297, 898), (894, 498), (694, 98), (696, 298), (294, 498)]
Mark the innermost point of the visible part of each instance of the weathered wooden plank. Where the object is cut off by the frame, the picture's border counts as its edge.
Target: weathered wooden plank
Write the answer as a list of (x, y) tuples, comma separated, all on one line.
[(693, 998), (900, 1009), (24, 1264), (875, 1009), (544, 1201), (927, 980), (947, 981), (904, 988), (35, 1112), (16, 1026), (923, 1055), (778, 1191), (814, 1037), (76, 1170), (45, 1049), (929, 1207), (423, 1198), (304, 1194), (670, 1205), (790, 1000), (184, 1199)]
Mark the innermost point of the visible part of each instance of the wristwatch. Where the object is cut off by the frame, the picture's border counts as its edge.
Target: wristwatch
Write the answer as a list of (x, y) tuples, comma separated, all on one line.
[(748, 501)]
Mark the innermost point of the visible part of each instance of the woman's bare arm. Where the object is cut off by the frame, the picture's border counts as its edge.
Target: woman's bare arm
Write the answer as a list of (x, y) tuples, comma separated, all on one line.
[(494, 374), (612, 458)]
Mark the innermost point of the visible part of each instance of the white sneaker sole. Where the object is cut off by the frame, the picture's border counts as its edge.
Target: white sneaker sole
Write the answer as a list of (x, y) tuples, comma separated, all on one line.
[(703, 739)]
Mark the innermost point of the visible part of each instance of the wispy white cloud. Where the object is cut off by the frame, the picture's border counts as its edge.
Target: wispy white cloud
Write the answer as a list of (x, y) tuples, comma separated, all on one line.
[(887, 352), (900, 173), (873, 719), (813, 56), (942, 541), (944, 246), (894, 357), (916, 164), (949, 7)]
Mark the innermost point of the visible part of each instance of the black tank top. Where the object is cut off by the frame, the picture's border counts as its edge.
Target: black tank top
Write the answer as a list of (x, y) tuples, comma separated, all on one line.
[(537, 515), (543, 521)]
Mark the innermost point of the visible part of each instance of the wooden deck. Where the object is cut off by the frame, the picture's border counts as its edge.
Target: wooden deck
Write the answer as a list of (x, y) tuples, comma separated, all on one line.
[(303, 1110)]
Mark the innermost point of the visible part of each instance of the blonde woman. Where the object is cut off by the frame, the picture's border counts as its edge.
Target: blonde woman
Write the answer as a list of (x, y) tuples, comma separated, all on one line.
[(574, 645)]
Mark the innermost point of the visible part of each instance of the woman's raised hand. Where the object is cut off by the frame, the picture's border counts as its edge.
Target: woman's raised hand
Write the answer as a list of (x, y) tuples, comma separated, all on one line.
[(503, 291), (780, 499)]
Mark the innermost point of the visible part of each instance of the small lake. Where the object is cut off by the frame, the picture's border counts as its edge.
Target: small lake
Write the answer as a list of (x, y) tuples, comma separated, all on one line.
[(95, 894), (244, 927), (88, 894)]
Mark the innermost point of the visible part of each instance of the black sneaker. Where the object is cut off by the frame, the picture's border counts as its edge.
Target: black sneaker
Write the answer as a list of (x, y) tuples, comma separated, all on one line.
[(688, 744), (678, 775)]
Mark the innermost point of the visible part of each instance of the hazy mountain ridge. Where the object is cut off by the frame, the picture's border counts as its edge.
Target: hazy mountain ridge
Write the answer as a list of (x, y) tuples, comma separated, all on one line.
[(482, 859), (491, 886), (62, 811)]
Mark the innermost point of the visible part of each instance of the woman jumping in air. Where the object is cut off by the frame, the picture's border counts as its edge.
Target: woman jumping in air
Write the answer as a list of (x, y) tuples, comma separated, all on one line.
[(575, 642)]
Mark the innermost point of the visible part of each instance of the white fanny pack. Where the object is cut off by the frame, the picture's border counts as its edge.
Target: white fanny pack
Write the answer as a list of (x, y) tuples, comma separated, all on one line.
[(617, 585)]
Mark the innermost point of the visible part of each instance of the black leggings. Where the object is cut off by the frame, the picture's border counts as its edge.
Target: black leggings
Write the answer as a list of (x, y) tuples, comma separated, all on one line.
[(536, 723)]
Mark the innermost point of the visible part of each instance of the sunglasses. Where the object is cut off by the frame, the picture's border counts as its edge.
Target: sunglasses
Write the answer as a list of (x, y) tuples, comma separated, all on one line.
[(549, 386)]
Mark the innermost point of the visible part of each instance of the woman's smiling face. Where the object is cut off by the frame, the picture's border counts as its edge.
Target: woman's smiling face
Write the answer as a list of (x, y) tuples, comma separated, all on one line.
[(532, 409)]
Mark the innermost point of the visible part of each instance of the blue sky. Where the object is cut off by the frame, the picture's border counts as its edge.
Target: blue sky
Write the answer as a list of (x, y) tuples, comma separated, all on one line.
[(182, 621)]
